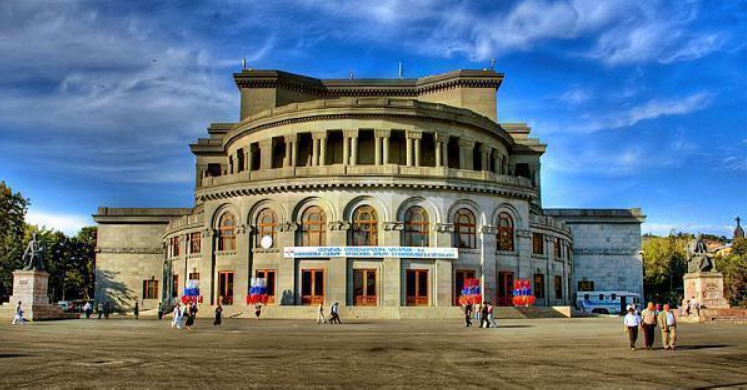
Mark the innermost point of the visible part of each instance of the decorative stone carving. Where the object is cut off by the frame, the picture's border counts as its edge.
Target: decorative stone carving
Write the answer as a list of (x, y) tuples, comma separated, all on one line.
[(338, 225), (389, 226), (288, 227), (207, 233), (133, 251), (488, 229), (523, 233), (445, 227)]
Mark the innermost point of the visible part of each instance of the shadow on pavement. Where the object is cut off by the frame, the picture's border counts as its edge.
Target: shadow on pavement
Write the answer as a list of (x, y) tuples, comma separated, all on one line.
[(704, 346), (12, 355)]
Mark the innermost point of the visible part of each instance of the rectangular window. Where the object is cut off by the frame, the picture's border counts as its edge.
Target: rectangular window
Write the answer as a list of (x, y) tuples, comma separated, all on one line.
[(539, 286), (558, 248), (538, 244), (194, 242), (150, 289), (240, 163), (173, 249), (194, 276), (558, 287), (175, 289), (585, 285), (417, 287), (269, 276), (225, 287)]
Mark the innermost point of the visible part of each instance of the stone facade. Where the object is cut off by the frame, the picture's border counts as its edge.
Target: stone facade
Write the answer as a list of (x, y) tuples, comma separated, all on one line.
[(347, 163)]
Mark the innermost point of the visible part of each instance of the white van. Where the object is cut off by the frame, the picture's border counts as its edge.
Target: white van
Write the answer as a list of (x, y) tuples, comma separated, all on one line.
[(606, 302)]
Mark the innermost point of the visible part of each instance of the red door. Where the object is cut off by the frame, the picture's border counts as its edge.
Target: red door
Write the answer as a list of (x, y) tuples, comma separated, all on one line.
[(312, 286), (225, 287), (417, 287), (505, 288), (460, 276), (364, 287)]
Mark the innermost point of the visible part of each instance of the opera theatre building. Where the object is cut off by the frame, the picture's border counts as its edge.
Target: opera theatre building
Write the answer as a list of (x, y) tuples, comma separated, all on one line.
[(383, 195)]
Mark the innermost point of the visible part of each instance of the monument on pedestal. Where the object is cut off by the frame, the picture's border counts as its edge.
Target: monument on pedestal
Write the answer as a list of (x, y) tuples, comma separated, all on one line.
[(703, 281), (30, 286)]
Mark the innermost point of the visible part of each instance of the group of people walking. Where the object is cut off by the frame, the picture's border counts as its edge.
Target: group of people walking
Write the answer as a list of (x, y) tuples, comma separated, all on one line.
[(647, 321), (186, 313), (483, 314), (334, 314)]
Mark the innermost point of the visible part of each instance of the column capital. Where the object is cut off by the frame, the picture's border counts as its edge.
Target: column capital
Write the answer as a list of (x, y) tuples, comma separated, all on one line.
[(414, 134), (350, 133), (319, 135), (338, 225), (389, 226), (383, 133), (488, 229), (466, 142), (441, 137), (290, 138), (445, 227)]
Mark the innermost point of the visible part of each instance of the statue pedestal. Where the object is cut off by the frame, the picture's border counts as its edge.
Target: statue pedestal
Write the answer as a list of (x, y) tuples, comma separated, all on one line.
[(30, 288), (707, 288)]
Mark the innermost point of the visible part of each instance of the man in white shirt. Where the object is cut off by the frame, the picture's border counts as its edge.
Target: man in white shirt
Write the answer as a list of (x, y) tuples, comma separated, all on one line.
[(668, 326), (631, 322), (320, 315), (18, 318)]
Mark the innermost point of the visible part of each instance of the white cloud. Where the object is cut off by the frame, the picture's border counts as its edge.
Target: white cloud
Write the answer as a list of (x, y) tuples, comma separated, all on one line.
[(69, 224), (664, 107)]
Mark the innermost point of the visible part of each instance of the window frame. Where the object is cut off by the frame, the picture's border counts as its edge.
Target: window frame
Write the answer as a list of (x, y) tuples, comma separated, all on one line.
[(360, 227), (416, 231), (313, 232), (227, 232), (505, 235), (265, 228), (462, 229), (150, 289)]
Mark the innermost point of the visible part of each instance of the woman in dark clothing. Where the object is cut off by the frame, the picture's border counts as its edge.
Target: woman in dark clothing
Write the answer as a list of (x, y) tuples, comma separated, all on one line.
[(484, 315), (218, 315), (191, 314)]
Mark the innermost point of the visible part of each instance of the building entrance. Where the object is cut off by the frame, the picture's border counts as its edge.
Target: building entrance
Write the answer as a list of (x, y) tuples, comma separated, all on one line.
[(312, 286), (269, 276), (417, 287), (225, 287), (505, 288), (460, 276), (364, 287)]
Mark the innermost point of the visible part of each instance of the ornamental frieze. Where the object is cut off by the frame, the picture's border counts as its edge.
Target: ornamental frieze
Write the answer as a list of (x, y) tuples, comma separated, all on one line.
[(390, 226), (445, 227), (132, 251), (605, 251), (338, 225)]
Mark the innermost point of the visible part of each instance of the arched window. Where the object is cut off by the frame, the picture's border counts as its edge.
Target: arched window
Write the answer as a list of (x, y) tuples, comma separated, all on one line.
[(364, 230), (313, 227), (267, 225), (416, 227), (465, 229), (505, 232), (227, 233)]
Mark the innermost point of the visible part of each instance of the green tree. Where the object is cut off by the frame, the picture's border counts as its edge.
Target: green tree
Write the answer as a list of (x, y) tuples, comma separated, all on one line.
[(13, 208), (734, 268), (664, 265)]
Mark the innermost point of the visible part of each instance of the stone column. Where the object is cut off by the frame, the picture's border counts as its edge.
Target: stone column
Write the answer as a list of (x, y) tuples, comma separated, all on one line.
[(392, 275), (466, 147), (353, 147), (384, 135), (441, 142), (346, 148), (207, 281), (338, 266), (408, 150), (314, 150), (286, 276), (413, 147), (444, 267), (323, 148), (377, 149), (290, 150), (488, 262), (496, 162), (265, 147), (417, 152), (249, 157)]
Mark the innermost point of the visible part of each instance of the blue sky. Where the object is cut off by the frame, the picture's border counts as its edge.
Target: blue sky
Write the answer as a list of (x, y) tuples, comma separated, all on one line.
[(643, 104)]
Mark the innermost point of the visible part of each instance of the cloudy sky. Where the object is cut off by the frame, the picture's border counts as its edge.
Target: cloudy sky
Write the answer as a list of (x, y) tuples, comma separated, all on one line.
[(642, 104)]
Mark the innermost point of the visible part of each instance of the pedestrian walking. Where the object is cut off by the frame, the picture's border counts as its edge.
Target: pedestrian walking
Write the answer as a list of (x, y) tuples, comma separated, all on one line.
[(160, 311), (320, 314), (491, 317), (335, 314), (631, 322), (258, 310), (218, 315), (87, 308), (478, 310), (107, 308), (100, 309), (18, 317), (467, 315), (136, 311), (177, 317), (685, 307), (648, 324), (191, 316), (484, 315), (668, 326)]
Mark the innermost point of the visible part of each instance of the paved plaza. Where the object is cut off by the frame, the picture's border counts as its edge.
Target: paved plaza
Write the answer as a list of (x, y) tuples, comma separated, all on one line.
[(285, 353)]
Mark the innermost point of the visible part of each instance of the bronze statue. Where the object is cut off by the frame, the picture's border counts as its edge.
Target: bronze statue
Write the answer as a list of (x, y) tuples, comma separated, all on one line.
[(698, 257), (33, 255)]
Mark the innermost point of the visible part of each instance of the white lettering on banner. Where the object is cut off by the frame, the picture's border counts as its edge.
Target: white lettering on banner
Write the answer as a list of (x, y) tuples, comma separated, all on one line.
[(293, 252)]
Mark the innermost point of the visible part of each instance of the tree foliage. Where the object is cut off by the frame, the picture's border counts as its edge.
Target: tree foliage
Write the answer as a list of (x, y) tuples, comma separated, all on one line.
[(664, 265), (68, 260), (13, 207), (734, 268)]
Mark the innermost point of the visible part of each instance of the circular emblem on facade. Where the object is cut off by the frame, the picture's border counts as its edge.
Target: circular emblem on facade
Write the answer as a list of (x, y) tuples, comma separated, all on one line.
[(266, 242)]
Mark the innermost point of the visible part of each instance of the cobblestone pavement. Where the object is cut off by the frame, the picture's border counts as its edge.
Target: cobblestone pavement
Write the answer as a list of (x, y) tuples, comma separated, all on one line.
[(589, 352)]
